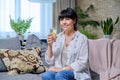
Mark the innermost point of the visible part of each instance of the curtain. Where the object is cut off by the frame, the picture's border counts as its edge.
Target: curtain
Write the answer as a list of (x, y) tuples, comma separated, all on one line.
[(6, 9)]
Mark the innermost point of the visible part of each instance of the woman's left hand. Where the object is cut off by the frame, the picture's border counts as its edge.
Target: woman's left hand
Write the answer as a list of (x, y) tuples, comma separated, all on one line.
[(55, 69)]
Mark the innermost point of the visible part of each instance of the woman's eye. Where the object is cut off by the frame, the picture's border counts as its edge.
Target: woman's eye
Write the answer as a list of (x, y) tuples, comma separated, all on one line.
[(61, 19)]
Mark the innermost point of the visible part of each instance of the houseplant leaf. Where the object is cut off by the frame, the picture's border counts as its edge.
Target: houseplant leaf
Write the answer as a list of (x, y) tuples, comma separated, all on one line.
[(108, 25), (20, 26)]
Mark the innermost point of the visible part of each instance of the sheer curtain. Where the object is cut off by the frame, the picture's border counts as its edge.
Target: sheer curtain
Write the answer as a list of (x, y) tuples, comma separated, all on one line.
[(7, 7), (41, 12)]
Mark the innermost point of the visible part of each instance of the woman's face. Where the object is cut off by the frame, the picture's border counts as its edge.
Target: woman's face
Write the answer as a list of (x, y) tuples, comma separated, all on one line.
[(67, 24)]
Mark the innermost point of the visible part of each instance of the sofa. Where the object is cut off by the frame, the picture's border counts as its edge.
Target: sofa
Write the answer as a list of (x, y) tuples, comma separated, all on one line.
[(15, 44), (104, 65)]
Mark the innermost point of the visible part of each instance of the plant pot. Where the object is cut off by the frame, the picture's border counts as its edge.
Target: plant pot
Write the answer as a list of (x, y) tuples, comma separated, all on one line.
[(107, 36), (21, 37)]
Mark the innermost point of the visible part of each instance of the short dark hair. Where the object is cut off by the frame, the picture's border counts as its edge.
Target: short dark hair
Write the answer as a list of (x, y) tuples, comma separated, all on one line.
[(68, 13)]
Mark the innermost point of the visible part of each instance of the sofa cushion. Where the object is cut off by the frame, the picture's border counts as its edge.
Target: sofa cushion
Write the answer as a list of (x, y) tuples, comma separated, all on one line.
[(22, 61), (27, 76), (32, 41), (10, 43)]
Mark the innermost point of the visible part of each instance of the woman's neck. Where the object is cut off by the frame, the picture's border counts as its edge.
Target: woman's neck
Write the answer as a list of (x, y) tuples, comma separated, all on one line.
[(69, 33), (68, 36)]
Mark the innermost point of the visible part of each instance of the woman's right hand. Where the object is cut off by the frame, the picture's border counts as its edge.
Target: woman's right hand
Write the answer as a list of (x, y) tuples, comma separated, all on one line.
[(51, 38)]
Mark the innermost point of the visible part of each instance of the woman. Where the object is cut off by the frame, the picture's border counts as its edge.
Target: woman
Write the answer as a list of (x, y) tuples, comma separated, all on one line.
[(68, 53)]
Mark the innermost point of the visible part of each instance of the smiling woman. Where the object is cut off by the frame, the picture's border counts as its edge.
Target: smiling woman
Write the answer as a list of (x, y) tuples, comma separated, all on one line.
[(39, 11)]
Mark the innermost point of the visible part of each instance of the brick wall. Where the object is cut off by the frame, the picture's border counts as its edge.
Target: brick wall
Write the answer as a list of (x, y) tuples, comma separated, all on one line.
[(103, 9)]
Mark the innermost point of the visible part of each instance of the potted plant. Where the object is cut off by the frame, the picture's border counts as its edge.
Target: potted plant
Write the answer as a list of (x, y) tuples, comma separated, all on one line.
[(88, 33), (108, 26), (84, 20), (20, 26)]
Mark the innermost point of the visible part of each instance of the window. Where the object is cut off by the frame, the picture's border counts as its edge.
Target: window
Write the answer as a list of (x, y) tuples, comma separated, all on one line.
[(41, 12), (6, 8)]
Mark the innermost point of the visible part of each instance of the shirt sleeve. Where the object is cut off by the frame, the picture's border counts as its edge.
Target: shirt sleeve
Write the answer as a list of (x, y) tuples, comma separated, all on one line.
[(48, 60), (51, 61)]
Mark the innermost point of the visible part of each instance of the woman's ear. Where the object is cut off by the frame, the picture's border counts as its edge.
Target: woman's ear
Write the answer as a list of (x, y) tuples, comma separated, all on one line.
[(74, 21)]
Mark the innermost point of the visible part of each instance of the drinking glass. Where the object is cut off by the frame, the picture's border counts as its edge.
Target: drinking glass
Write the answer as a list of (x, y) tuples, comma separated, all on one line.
[(53, 30)]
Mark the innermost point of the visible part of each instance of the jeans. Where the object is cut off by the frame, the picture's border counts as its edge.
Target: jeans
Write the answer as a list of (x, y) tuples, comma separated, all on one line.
[(62, 75)]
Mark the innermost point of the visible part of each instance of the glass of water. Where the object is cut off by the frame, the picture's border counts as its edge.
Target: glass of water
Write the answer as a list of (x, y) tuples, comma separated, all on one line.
[(53, 30)]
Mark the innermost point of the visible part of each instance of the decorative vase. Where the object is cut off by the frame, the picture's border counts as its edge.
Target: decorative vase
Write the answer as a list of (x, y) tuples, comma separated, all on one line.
[(21, 37)]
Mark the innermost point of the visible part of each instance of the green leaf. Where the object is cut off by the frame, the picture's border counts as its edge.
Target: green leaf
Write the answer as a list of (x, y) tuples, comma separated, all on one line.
[(108, 25), (117, 20), (83, 17), (20, 26), (90, 8), (88, 34)]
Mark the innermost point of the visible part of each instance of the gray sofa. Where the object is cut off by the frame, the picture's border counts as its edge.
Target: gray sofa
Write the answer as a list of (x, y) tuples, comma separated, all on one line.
[(14, 43), (32, 41)]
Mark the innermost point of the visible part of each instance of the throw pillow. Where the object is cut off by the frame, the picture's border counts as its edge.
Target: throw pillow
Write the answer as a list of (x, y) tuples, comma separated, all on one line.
[(32, 41), (22, 61), (8, 43)]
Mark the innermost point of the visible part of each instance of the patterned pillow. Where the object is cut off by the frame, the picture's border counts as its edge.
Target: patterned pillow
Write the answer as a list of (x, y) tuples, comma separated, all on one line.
[(22, 61)]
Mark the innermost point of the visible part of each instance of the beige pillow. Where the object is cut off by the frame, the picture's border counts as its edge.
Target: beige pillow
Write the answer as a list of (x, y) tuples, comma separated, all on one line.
[(22, 61)]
